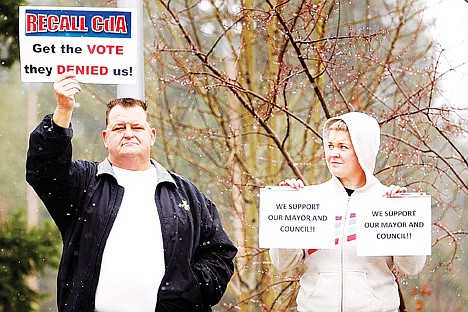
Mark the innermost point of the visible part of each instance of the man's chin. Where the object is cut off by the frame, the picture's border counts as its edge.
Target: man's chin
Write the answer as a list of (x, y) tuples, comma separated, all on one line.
[(129, 152), (129, 145)]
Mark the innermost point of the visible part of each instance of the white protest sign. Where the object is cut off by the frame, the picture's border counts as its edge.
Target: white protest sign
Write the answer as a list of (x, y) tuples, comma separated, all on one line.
[(97, 44), (299, 219), (399, 226)]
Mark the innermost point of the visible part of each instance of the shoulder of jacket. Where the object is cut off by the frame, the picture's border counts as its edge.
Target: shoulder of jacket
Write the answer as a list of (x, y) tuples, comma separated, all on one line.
[(182, 181)]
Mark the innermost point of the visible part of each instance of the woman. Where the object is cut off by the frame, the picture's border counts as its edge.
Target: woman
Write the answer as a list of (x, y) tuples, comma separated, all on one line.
[(337, 279)]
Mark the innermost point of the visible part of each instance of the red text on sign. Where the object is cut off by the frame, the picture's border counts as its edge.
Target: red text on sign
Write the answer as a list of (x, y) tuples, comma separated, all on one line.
[(105, 49), (43, 23), (112, 24), (83, 69)]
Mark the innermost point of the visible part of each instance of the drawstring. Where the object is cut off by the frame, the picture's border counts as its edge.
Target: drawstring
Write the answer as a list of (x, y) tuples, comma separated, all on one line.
[(402, 307)]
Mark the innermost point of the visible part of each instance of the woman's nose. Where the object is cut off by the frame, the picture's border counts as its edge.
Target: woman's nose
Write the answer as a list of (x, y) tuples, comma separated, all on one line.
[(334, 152)]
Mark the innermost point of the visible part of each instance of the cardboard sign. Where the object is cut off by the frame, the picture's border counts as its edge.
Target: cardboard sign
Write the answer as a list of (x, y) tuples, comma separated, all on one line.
[(399, 226), (97, 44), (295, 219)]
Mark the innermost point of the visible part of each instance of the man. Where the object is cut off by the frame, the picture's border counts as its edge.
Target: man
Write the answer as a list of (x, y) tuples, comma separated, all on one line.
[(136, 237)]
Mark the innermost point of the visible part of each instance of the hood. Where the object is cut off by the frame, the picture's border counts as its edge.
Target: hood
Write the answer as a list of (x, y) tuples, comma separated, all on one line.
[(364, 131)]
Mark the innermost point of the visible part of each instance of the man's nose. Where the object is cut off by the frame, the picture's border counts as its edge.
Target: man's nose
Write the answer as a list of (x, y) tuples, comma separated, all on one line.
[(128, 131)]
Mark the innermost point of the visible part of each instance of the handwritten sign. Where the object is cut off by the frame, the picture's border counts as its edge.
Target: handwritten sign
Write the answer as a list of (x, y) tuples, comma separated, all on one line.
[(295, 219), (97, 44), (399, 226)]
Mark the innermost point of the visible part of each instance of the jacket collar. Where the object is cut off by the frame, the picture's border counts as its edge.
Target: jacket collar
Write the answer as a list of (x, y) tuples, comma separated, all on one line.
[(371, 182), (105, 167)]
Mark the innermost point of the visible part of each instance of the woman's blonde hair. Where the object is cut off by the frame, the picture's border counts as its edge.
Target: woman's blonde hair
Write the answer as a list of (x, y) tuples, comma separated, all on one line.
[(336, 125)]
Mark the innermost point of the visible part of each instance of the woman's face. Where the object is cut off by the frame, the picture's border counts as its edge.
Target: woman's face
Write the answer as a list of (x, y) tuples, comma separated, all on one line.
[(342, 160)]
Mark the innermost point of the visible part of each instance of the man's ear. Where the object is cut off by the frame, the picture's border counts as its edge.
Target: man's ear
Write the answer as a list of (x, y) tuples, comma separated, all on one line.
[(153, 134), (104, 138)]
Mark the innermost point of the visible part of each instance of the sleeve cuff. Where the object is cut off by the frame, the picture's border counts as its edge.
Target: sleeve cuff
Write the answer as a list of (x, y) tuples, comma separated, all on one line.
[(52, 127)]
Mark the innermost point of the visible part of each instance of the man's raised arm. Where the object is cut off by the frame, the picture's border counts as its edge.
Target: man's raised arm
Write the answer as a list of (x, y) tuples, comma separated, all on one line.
[(65, 88)]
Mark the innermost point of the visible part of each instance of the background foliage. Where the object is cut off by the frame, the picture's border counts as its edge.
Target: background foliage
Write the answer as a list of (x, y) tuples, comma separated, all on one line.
[(25, 253), (9, 49)]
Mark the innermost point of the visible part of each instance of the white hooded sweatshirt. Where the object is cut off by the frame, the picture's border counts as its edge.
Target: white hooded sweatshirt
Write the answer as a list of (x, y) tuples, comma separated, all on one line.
[(337, 279)]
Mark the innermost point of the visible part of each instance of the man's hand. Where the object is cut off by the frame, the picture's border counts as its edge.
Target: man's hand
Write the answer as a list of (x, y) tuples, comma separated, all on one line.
[(295, 184), (65, 88)]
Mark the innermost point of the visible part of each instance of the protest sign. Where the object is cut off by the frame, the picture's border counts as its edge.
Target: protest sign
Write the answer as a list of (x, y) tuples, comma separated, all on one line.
[(97, 44), (398, 226), (295, 219)]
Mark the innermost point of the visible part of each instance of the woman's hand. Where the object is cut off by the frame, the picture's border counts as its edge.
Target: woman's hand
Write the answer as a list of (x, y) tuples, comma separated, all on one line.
[(294, 183), (394, 190)]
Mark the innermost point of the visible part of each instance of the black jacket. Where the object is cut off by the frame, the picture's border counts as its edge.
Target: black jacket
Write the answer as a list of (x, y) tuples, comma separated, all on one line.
[(84, 198)]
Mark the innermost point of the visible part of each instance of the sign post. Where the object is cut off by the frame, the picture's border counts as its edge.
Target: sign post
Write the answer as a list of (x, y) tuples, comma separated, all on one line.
[(137, 90)]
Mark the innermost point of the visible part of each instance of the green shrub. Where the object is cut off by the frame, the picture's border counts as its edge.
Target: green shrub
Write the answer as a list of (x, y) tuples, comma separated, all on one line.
[(25, 252)]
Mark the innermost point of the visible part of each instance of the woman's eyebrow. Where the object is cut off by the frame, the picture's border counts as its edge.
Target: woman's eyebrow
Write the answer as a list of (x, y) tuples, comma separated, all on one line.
[(339, 142)]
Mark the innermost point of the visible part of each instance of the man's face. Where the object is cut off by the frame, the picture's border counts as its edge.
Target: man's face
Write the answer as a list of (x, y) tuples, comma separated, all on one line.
[(341, 157), (128, 138)]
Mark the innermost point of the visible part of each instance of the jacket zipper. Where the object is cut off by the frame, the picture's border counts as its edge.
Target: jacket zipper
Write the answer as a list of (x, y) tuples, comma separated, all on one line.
[(343, 236), (107, 229)]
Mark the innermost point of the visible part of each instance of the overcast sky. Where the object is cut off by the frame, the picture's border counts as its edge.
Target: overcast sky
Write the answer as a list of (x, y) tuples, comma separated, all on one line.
[(451, 31)]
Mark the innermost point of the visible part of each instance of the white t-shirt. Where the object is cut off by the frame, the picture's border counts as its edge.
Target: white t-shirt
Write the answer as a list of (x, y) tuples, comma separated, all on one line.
[(133, 259)]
